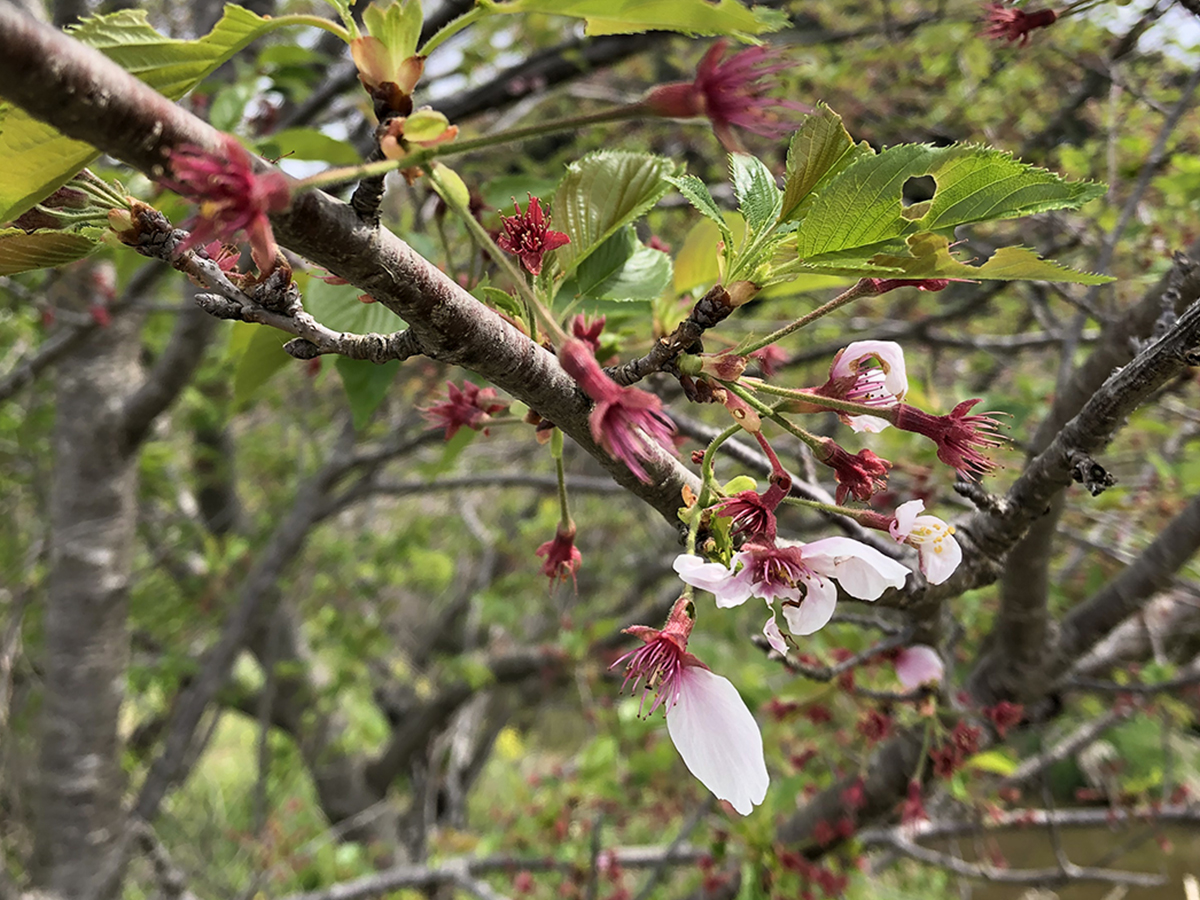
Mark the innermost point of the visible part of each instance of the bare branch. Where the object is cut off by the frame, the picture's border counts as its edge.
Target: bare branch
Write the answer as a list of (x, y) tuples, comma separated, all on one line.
[(896, 840), (398, 877)]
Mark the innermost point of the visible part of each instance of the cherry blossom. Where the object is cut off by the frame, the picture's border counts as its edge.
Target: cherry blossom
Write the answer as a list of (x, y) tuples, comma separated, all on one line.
[(871, 373), (527, 235), (709, 723), (731, 92), (919, 665), (230, 197), (627, 422), (959, 435), (937, 549), (1004, 23), (471, 406), (562, 556), (800, 575)]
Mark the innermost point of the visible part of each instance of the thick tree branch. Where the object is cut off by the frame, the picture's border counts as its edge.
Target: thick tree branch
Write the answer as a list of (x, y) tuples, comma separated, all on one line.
[(88, 97)]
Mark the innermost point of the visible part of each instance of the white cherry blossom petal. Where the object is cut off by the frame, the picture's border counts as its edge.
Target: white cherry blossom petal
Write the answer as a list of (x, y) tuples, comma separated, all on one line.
[(718, 739), (868, 424), (730, 589), (861, 570), (815, 610), (939, 552), (774, 635)]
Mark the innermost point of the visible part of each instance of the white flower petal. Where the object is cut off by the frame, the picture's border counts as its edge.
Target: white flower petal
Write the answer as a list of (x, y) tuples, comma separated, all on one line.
[(718, 739), (728, 588), (815, 610), (940, 558), (918, 665), (906, 517), (861, 570), (869, 424), (774, 635)]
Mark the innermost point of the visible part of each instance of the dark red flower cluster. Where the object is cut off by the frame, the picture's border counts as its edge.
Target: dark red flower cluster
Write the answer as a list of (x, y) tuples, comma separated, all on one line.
[(874, 726), (958, 435), (527, 235), (627, 422), (230, 197), (860, 474), (562, 556), (1005, 715), (471, 407), (1005, 23), (753, 514)]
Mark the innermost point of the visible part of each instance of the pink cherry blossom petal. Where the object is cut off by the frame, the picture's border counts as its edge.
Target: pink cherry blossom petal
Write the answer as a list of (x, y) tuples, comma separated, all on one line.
[(918, 665), (774, 635)]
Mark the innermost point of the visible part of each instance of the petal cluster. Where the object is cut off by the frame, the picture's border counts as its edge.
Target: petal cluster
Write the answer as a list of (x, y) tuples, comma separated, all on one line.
[(627, 422), (937, 549), (527, 235), (871, 373), (230, 197), (709, 723), (732, 92)]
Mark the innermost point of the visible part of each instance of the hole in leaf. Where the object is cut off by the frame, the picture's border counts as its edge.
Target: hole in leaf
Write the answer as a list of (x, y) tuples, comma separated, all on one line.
[(918, 190)]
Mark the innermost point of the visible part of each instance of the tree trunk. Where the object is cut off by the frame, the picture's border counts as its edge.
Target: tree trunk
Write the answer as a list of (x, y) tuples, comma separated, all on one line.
[(93, 514)]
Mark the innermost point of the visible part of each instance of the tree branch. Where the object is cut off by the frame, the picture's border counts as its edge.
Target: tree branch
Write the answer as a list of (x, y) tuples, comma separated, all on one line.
[(88, 97)]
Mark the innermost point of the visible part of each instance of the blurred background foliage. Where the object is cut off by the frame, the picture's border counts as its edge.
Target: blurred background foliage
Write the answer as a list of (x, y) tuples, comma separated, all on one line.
[(413, 583)]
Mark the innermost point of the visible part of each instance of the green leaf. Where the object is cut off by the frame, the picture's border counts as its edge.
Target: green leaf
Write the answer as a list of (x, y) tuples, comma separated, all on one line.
[(229, 105), (38, 159), (21, 251), (602, 193), (998, 762), (262, 357), (307, 143), (754, 186), (500, 300), (366, 384), (337, 306), (696, 261), (624, 269), (692, 17), (819, 150), (861, 213), (397, 25), (696, 192), (931, 258)]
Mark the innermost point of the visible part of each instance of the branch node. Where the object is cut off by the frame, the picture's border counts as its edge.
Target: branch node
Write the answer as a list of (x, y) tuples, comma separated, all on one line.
[(221, 307), (301, 348), (1086, 471)]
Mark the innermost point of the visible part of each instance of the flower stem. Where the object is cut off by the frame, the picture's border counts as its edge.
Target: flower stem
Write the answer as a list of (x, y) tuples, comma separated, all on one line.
[(556, 451), (481, 236), (774, 415), (867, 518), (707, 476), (846, 406), (567, 123), (453, 27), (344, 174), (858, 289)]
